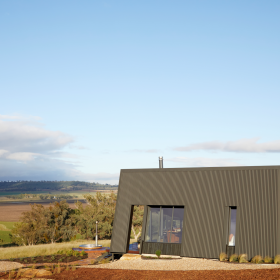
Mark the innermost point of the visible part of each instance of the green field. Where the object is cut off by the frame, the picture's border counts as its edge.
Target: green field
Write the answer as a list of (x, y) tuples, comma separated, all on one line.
[(5, 228), (18, 192)]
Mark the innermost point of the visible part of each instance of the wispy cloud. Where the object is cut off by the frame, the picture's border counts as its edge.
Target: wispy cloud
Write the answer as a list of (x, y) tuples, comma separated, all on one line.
[(144, 151), (203, 161), (251, 145)]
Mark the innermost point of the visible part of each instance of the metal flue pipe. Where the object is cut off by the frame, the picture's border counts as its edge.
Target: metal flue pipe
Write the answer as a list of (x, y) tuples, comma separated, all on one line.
[(160, 162)]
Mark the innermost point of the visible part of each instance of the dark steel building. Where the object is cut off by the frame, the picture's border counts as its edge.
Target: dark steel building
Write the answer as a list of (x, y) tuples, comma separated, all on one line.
[(201, 212)]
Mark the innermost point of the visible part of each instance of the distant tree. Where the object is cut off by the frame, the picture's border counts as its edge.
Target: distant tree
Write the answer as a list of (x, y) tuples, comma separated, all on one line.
[(44, 225), (101, 208), (137, 219)]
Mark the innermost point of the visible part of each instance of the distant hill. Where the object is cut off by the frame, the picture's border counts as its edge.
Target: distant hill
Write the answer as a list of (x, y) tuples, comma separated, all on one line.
[(53, 185)]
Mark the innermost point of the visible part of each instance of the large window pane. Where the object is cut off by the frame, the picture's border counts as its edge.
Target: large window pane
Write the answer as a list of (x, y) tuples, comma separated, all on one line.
[(164, 224), (232, 227)]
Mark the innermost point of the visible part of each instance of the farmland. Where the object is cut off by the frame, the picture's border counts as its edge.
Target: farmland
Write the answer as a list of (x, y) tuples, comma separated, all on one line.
[(5, 228), (11, 209)]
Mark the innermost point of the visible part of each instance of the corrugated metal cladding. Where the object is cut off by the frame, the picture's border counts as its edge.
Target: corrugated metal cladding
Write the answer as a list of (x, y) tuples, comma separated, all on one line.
[(204, 193)]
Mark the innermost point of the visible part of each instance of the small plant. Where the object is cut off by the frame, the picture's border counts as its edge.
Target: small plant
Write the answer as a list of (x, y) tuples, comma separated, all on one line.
[(242, 258), (257, 259), (158, 253), (233, 258), (83, 253), (76, 253), (18, 273), (104, 261), (222, 257), (73, 268), (277, 259), (21, 259), (11, 274), (69, 253), (60, 260), (268, 259)]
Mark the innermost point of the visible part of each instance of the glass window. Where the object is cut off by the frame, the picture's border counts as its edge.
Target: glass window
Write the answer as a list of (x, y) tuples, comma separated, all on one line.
[(232, 226), (177, 227), (153, 222), (164, 224)]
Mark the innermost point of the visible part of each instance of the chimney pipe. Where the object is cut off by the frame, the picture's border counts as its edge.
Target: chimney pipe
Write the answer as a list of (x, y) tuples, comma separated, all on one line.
[(160, 162)]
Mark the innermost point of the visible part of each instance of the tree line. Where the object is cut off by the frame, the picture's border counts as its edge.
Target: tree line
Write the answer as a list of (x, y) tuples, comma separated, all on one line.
[(58, 222), (53, 185), (42, 196)]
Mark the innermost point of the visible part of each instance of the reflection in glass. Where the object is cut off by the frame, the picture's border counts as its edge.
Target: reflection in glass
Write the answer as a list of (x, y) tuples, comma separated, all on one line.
[(178, 216), (232, 227), (164, 224), (153, 222)]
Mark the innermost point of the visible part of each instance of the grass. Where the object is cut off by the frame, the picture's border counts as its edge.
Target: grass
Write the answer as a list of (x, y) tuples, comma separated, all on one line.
[(8, 225), (5, 228), (44, 249), (5, 236)]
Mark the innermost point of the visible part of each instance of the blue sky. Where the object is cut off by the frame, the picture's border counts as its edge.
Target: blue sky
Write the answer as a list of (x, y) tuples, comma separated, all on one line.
[(91, 87)]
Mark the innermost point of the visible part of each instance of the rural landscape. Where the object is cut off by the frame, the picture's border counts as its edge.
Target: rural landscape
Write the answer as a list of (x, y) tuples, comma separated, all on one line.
[(139, 140), (16, 198)]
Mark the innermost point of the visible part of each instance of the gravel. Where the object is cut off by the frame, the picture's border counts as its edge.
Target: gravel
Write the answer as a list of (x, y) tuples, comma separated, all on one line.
[(180, 264)]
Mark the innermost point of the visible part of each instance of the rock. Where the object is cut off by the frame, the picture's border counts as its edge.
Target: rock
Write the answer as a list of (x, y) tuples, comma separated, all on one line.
[(31, 273), (28, 272), (43, 273)]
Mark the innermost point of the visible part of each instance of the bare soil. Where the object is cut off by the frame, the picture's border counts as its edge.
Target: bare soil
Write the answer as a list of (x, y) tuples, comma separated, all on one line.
[(11, 212), (118, 274), (55, 259)]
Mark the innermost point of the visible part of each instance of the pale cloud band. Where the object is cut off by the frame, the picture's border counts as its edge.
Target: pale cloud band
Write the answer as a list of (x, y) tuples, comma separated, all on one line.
[(240, 146), (28, 151)]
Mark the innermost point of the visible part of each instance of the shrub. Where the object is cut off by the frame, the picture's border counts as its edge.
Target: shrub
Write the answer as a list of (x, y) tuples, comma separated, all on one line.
[(233, 258), (277, 259), (268, 259), (158, 253), (222, 257), (257, 259), (242, 258)]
